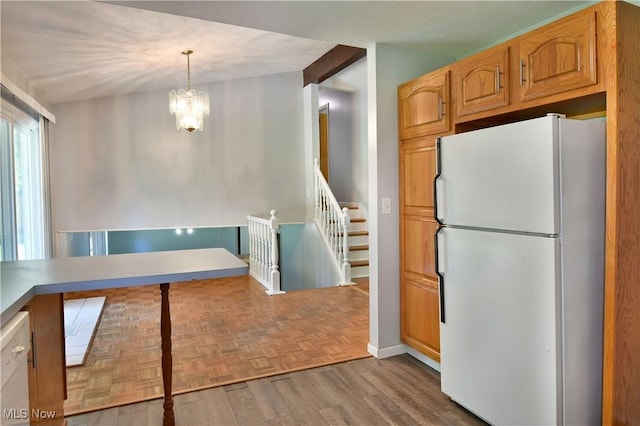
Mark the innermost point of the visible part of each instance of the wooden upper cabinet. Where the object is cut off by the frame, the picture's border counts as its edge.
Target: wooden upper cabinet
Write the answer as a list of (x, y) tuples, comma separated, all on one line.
[(558, 58), (481, 82), (423, 105)]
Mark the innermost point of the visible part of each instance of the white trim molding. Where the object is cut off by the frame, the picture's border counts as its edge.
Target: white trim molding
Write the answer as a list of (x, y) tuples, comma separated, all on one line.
[(27, 98)]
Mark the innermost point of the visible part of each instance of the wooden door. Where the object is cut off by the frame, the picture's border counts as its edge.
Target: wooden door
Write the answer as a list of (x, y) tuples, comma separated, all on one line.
[(558, 58), (47, 365), (423, 106), (481, 83), (324, 143)]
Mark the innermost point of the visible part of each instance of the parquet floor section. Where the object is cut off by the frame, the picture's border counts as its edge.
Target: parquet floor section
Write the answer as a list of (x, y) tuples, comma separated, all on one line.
[(394, 391), (223, 331)]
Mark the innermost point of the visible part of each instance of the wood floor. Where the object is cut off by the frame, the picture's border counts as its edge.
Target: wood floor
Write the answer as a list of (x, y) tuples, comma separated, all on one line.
[(224, 331), (393, 391)]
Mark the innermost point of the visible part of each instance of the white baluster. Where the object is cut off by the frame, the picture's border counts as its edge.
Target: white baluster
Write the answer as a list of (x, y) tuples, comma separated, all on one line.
[(264, 252), (251, 253), (260, 252), (252, 249), (336, 230), (316, 188), (330, 220)]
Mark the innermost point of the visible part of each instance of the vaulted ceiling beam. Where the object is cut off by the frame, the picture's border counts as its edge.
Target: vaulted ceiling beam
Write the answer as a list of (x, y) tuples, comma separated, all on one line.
[(331, 63)]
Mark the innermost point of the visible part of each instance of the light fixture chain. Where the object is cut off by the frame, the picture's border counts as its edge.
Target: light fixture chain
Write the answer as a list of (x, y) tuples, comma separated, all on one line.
[(188, 73)]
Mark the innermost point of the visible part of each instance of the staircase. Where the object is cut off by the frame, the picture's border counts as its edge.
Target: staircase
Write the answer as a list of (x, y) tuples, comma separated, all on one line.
[(358, 238)]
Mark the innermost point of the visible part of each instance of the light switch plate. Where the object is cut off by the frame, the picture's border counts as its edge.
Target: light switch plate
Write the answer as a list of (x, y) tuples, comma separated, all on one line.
[(386, 206)]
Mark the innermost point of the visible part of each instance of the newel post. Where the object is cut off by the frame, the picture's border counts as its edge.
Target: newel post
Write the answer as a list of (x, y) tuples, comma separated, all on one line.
[(274, 225), (346, 266)]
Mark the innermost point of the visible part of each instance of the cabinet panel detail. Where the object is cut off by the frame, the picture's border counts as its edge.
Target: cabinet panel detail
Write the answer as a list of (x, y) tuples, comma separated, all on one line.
[(482, 82), (418, 169), (418, 245), (420, 318), (423, 105), (559, 59)]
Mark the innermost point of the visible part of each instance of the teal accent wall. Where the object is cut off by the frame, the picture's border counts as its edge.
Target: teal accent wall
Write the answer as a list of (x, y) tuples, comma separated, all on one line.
[(78, 244), (291, 276), (304, 262), (141, 241)]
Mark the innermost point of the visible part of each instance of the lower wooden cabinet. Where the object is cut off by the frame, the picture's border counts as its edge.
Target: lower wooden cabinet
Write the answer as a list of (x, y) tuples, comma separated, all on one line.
[(419, 298), (420, 319), (47, 366)]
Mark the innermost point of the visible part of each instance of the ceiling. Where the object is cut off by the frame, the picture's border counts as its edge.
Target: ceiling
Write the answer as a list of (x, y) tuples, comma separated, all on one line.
[(83, 49)]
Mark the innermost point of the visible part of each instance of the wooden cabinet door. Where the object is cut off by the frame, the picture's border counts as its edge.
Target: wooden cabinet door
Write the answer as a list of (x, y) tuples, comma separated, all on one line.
[(481, 82), (419, 297), (47, 365), (423, 105), (558, 58), (417, 171), (418, 247), (420, 304)]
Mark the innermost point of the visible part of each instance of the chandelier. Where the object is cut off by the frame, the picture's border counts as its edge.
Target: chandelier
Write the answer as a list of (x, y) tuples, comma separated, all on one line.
[(189, 107)]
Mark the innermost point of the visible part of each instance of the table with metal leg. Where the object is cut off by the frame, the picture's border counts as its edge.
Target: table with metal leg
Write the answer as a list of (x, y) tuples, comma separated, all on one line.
[(22, 280)]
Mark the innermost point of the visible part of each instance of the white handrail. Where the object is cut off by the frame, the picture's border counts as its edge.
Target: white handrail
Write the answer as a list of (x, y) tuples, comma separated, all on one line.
[(263, 252), (333, 224)]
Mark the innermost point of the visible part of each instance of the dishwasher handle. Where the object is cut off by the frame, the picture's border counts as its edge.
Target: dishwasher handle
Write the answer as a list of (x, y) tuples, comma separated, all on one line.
[(33, 351)]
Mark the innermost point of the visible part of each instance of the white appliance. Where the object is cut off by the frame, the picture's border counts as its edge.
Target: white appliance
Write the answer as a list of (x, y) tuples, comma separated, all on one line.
[(520, 257), (14, 393)]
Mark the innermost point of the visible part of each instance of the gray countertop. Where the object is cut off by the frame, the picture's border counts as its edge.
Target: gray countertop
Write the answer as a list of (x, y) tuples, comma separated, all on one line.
[(21, 280)]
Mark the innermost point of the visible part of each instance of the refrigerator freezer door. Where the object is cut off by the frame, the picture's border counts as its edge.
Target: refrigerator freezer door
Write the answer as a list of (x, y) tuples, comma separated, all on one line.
[(503, 177), (499, 342)]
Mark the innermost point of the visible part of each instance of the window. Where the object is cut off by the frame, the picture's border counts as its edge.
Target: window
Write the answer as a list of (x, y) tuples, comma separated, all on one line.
[(21, 186)]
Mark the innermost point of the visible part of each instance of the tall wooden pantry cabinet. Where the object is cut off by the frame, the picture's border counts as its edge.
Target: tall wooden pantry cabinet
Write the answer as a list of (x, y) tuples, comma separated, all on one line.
[(584, 65), (424, 113)]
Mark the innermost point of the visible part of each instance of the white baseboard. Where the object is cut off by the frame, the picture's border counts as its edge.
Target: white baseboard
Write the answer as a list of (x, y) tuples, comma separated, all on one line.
[(400, 349), (423, 358), (387, 351)]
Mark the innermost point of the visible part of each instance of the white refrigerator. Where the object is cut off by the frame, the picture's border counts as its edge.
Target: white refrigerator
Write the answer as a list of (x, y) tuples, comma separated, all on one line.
[(520, 256)]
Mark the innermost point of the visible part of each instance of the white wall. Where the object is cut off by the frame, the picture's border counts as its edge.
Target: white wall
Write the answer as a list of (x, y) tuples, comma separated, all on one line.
[(340, 141), (120, 163), (346, 94), (387, 68)]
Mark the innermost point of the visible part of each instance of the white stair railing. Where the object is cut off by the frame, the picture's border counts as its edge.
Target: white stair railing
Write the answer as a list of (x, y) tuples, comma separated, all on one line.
[(333, 224), (263, 252)]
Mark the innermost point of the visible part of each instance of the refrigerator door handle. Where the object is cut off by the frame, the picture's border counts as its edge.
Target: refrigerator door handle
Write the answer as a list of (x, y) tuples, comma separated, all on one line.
[(439, 273), (437, 182)]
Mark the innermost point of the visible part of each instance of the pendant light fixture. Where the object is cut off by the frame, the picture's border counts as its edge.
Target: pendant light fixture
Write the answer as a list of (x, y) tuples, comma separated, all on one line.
[(189, 107)]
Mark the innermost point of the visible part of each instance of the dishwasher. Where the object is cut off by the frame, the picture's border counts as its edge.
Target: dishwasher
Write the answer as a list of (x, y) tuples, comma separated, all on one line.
[(14, 393)]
